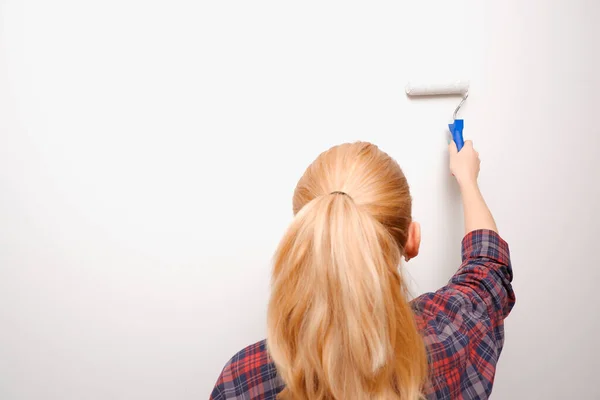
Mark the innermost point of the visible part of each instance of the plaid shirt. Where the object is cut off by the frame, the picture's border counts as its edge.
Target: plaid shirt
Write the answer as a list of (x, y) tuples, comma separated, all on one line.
[(462, 325)]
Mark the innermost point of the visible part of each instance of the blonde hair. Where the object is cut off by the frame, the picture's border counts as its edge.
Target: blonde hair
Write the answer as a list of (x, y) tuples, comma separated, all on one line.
[(339, 323)]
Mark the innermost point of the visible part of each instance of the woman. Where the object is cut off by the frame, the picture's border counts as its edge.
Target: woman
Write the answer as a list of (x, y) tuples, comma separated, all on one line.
[(339, 322)]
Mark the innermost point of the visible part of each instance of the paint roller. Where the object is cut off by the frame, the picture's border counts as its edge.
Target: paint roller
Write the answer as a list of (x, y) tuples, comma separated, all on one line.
[(460, 88)]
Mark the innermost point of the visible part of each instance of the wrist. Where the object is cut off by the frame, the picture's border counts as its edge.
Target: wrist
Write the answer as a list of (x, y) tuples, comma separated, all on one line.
[(468, 184)]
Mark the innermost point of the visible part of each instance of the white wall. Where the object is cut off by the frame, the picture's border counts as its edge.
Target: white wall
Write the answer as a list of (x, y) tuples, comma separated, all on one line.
[(148, 153)]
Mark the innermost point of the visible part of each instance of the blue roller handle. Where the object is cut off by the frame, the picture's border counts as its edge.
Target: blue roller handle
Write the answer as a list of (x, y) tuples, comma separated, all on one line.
[(456, 129)]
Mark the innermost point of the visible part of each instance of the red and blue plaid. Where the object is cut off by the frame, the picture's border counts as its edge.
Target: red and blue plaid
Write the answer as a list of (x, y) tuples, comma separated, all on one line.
[(462, 325)]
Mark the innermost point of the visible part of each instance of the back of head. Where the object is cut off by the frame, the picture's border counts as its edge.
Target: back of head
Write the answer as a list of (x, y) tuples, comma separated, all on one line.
[(339, 324)]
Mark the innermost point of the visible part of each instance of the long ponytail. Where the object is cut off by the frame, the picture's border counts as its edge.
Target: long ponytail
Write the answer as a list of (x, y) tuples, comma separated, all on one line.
[(339, 323)]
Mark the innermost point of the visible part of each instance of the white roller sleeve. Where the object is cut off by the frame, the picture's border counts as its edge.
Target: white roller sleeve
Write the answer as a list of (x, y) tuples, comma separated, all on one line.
[(428, 89)]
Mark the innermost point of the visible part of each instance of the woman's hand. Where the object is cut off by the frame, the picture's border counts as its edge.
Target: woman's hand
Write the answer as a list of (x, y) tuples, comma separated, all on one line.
[(464, 164)]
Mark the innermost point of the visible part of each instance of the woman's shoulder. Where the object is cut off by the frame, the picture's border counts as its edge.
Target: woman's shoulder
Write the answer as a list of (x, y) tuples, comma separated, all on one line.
[(250, 373)]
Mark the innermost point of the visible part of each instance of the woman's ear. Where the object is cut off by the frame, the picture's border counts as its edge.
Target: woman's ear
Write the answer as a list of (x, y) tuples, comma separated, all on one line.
[(411, 250)]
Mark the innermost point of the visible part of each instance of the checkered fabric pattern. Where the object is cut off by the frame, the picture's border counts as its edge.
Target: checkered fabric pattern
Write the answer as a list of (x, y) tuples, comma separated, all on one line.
[(462, 325)]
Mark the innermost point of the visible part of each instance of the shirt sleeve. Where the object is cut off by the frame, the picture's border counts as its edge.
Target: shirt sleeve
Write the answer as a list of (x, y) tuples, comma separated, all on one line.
[(217, 392), (225, 379), (463, 322), (485, 274)]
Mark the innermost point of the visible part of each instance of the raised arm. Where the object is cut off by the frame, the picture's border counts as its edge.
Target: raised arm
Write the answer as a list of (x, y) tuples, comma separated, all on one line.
[(464, 320), (464, 165)]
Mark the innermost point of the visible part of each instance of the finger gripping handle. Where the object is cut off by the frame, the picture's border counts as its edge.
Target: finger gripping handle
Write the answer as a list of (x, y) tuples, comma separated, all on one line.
[(456, 129)]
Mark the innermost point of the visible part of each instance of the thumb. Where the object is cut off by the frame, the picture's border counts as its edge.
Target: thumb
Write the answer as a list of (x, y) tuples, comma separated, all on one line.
[(452, 148)]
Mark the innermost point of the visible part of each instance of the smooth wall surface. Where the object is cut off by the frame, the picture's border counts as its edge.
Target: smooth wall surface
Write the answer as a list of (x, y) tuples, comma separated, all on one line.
[(149, 150)]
